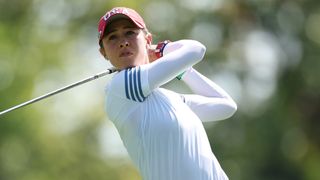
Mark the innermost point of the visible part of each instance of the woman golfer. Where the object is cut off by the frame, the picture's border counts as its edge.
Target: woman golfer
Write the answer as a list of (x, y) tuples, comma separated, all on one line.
[(162, 130)]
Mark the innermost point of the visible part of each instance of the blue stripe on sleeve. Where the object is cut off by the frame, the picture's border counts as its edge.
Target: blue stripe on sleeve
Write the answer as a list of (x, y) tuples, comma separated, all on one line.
[(135, 84), (139, 84), (126, 83), (133, 88), (131, 84)]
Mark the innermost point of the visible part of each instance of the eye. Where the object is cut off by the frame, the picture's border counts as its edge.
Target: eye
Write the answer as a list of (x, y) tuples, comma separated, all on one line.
[(130, 32), (112, 37)]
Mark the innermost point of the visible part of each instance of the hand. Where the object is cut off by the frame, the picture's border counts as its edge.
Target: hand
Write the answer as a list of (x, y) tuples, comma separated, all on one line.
[(151, 53)]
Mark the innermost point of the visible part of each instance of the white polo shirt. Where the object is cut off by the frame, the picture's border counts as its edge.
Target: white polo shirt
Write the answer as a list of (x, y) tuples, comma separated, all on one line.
[(161, 129)]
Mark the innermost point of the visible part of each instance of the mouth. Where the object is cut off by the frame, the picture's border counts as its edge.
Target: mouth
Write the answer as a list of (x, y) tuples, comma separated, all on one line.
[(125, 54)]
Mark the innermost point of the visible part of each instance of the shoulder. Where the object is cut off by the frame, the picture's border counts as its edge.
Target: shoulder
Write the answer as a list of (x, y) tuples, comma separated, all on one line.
[(131, 84), (115, 83)]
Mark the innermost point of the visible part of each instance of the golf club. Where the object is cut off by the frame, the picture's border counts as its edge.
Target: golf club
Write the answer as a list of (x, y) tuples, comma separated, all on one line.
[(96, 76)]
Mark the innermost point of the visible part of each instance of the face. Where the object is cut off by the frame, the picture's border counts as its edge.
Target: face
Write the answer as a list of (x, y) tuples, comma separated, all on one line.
[(125, 45)]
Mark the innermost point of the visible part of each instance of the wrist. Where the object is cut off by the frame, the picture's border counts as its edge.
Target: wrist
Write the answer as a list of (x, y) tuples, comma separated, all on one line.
[(160, 48), (184, 73)]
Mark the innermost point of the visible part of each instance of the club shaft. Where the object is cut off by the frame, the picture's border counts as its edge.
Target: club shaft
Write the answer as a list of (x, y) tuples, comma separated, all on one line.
[(109, 71)]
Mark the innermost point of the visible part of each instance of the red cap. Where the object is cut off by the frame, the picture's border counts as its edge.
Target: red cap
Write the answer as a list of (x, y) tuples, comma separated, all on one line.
[(116, 13)]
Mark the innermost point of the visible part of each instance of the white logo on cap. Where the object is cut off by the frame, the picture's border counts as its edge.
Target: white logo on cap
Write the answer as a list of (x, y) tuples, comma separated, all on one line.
[(115, 11)]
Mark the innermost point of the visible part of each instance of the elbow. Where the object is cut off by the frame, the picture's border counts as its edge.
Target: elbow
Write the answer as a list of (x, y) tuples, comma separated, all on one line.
[(232, 108), (196, 50), (225, 111), (200, 47), (199, 50)]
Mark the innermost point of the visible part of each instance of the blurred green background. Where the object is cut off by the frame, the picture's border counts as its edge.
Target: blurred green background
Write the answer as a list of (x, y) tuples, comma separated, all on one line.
[(265, 53)]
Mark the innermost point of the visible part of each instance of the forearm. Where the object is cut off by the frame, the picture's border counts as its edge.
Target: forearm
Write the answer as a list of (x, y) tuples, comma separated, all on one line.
[(202, 85), (178, 56), (210, 102)]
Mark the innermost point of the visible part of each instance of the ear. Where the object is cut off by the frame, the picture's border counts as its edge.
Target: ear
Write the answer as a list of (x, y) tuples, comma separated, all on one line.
[(149, 39), (103, 53)]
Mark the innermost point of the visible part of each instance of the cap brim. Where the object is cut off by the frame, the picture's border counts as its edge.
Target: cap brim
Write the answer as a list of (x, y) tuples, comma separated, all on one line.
[(117, 17), (120, 16), (133, 17)]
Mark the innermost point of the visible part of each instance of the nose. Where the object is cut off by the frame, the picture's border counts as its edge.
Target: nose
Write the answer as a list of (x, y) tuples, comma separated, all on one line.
[(124, 43)]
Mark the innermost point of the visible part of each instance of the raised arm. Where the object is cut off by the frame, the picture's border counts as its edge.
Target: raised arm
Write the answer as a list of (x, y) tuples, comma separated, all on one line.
[(210, 102), (178, 56)]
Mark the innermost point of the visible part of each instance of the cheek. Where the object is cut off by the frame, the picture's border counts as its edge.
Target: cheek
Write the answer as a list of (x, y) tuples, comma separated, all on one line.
[(142, 44), (109, 50)]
